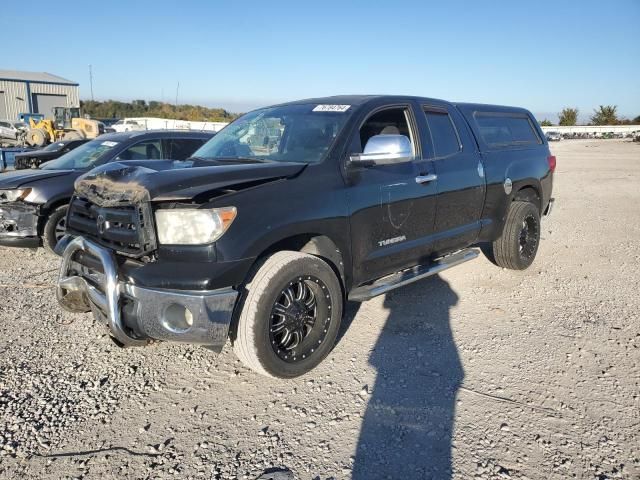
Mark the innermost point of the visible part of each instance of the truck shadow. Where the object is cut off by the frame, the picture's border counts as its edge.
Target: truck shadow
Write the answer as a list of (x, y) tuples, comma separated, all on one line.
[(407, 428)]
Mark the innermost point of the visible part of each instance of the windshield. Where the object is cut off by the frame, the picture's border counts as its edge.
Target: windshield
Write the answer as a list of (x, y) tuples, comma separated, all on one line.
[(85, 156), (291, 133)]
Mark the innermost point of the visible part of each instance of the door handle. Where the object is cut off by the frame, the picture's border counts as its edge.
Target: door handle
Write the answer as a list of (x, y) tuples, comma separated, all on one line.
[(426, 178)]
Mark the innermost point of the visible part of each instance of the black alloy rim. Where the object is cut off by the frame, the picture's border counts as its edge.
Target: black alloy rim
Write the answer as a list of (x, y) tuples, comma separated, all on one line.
[(528, 238), (300, 319)]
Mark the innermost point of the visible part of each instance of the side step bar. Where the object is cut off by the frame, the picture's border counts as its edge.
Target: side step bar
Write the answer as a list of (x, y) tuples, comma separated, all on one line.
[(405, 277)]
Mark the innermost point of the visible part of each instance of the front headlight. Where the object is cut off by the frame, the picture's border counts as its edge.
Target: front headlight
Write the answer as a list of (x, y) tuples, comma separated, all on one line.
[(14, 195), (193, 226)]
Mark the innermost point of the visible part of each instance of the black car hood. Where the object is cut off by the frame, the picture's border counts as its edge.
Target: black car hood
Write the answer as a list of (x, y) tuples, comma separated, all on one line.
[(21, 178), (165, 180)]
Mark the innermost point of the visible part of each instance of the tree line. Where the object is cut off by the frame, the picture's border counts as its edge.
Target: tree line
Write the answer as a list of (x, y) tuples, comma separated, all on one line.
[(142, 108), (604, 115)]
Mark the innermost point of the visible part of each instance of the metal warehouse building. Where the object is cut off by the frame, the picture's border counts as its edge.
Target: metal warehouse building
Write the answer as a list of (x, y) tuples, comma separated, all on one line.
[(34, 92)]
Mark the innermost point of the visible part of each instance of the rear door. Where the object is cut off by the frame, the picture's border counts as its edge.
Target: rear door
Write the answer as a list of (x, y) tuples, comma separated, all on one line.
[(392, 215), (461, 183)]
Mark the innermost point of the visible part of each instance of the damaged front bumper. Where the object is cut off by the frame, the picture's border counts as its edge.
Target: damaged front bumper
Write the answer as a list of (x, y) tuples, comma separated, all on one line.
[(136, 315), (19, 225)]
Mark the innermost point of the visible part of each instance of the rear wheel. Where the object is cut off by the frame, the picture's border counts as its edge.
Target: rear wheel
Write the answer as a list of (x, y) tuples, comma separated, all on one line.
[(517, 247), (55, 228), (289, 315)]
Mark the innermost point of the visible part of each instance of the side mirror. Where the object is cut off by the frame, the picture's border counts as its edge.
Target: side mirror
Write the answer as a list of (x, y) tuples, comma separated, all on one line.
[(385, 150)]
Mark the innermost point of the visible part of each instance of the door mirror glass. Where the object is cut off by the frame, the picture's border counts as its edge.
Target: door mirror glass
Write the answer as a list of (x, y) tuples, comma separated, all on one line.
[(385, 150)]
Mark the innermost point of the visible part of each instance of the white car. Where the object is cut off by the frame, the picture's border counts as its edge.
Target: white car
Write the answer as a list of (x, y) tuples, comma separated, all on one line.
[(127, 126), (10, 129)]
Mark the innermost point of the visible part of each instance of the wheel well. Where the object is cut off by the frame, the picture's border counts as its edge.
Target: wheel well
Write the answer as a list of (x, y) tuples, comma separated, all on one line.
[(313, 244), (529, 194), (48, 211)]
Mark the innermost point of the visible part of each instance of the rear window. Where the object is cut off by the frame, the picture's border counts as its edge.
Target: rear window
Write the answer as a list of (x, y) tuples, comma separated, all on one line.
[(506, 129)]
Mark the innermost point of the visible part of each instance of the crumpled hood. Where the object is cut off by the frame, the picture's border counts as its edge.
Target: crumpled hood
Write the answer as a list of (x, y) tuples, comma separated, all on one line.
[(22, 178), (158, 180)]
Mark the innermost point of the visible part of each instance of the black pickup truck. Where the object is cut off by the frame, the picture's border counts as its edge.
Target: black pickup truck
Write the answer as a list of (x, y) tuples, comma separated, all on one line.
[(294, 209)]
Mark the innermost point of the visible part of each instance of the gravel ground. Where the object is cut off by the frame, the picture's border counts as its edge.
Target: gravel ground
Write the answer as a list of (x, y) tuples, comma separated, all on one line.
[(476, 373)]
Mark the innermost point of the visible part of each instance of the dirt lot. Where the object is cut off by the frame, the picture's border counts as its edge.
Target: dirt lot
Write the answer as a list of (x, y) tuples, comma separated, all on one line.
[(479, 372)]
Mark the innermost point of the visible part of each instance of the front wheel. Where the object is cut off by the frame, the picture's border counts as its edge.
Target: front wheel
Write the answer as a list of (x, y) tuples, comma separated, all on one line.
[(55, 228), (37, 137), (289, 315), (517, 246)]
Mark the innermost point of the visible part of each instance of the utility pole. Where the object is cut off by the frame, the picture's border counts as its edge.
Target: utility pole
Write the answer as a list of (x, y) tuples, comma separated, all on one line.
[(91, 81), (177, 90)]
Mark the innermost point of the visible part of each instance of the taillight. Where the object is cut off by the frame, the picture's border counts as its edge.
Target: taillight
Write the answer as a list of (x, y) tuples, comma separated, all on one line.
[(552, 163)]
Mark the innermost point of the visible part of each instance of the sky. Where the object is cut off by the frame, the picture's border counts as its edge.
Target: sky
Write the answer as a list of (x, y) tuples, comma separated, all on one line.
[(542, 55)]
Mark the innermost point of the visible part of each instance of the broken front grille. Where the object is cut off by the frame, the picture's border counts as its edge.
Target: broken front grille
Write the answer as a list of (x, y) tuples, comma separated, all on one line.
[(127, 229)]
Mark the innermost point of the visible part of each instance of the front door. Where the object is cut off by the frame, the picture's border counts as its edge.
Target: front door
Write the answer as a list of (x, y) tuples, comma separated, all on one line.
[(392, 215)]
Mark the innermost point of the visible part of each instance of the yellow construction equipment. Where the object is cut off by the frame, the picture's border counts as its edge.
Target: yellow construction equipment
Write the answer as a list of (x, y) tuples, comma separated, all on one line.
[(67, 125)]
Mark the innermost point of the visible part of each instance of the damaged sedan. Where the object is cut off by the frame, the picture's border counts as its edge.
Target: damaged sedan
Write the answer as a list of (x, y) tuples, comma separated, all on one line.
[(33, 202)]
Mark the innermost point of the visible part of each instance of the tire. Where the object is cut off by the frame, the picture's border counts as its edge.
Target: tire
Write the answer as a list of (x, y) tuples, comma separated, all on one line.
[(37, 137), (276, 303), (517, 246), (54, 228)]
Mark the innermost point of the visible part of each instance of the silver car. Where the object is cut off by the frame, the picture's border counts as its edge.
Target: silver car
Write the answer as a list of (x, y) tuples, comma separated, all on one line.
[(553, 136), (9, 129)]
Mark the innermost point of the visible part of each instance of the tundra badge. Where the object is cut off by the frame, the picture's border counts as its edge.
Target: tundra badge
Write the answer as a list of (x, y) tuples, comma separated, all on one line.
[(389, 241)]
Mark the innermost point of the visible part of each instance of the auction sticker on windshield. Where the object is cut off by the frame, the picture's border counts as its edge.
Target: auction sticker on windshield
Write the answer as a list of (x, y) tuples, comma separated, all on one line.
[(109, 144), (331, 108)]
